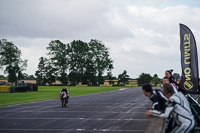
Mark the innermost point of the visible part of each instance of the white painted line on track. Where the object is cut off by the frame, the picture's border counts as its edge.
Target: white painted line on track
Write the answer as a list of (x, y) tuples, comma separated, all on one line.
[(26, 103), (123, 89), (45, 123), (123, 112), (97, 119), (92, 130), (24, 109)]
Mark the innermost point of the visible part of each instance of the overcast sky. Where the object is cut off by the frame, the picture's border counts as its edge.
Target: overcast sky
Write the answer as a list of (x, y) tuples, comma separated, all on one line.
[(142, 35)]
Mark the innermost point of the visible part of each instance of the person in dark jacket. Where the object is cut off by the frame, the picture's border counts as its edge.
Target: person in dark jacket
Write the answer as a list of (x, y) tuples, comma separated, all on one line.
[(168, 74), (156, 96)]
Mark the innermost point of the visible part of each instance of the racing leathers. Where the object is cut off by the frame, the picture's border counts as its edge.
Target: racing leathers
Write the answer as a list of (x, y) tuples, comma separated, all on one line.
[(158, 100), (179, 108), (175, 87), (66, 94)]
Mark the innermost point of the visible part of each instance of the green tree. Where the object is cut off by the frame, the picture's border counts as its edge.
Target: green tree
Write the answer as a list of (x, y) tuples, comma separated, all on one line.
[(40, 73), (30, 77), (2, 77), (90, 74), (78, 57), (155, 79), (58, 53), (76, 62), (100, 58), (11, 61), (123, 78), (144, 78), (63, 78), (45, 73), (109, 74), (176, 75), (25, 76)]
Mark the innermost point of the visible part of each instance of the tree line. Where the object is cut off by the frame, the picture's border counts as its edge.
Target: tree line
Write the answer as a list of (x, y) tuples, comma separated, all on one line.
[(74, 62), (10, 60)]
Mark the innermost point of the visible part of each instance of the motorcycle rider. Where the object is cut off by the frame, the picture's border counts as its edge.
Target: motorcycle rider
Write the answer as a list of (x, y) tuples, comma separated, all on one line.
[(66, 95)]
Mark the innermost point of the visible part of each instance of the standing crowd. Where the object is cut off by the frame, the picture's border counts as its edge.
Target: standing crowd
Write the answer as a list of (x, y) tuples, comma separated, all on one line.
[(170, 103)]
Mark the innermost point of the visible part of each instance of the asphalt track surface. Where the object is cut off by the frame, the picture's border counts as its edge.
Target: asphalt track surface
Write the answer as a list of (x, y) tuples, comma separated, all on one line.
[(119, 111)]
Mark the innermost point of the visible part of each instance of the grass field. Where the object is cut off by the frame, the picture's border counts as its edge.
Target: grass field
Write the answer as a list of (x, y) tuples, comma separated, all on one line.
[(49, 92)]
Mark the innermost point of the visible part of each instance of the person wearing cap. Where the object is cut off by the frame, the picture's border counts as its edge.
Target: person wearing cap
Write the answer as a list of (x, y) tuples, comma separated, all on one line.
[(178, 107), (168, 73), (156, 96)]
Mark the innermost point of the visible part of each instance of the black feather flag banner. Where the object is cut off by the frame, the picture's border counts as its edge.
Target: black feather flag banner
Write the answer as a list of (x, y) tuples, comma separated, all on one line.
[(189, 60)]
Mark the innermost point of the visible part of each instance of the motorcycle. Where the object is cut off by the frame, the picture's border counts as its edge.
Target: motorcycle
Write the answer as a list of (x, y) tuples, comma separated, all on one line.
[(64, 98)]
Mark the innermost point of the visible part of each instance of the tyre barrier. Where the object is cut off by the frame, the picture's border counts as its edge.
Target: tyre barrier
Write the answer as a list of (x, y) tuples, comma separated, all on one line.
[(22, 89), (14, 89), (26, 88), (35, 88)]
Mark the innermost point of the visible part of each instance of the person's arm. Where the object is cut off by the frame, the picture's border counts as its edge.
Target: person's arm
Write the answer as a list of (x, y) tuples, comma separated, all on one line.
[(168, 110)]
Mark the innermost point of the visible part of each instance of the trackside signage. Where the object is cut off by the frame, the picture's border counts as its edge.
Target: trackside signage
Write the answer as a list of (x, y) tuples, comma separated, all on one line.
[(189, 60)]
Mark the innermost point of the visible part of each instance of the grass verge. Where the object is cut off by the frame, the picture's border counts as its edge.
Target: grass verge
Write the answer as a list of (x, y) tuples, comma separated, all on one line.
[(49, 92)]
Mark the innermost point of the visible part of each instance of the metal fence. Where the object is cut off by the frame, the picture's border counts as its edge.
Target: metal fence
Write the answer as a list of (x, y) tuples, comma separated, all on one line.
[(195, 107)]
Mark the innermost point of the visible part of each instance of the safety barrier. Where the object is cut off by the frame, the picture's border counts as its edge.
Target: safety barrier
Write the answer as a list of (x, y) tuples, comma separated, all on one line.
[(102, 85), (115, 85), (13, 89), (5, 89), (81, 85), (131, 85), (156, 125), (195, 108)]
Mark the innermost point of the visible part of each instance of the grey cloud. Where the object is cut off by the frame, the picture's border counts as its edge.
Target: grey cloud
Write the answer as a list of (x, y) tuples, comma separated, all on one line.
[(146, 40), (58, 19)]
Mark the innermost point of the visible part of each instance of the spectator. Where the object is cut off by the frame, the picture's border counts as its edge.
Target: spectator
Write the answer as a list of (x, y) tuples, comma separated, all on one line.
[(180, 89), (169, 122), (156, 96), (168, 74), (166, 80), (178, 106)]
